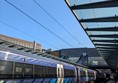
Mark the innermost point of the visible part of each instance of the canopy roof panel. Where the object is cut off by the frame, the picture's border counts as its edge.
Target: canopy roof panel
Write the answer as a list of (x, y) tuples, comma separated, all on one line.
[(99, 19)]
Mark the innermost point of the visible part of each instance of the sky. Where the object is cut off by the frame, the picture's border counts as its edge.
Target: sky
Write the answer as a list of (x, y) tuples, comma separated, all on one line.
[(43, 29)]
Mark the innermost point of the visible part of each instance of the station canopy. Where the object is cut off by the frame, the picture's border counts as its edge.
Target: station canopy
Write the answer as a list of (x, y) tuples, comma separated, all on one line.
[(99, 19)]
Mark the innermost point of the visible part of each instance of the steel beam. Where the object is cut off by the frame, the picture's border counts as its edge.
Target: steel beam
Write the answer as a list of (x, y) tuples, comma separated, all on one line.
[(103, 4), (107, 47), (108, 54), (105, 36), (107, 41), (102, 29), (116, 45), (108, 50), (103, 19)]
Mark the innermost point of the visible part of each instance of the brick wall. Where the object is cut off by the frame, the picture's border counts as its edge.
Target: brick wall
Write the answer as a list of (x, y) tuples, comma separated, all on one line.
[(20, 42)]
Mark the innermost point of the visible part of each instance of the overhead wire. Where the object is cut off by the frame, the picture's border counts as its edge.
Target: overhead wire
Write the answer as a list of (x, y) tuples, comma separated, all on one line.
[(38, 23), (27, 34), (57, 22)]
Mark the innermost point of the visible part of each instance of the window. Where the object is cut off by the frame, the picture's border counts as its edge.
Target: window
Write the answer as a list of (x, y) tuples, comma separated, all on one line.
[(28, 70), (82, 73), (2, 55), (2, 68), (19, 70), (39, 71), (69, 73), (6, 69)]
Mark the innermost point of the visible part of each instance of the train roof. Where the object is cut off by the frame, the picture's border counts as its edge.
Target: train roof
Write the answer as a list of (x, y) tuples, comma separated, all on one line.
[(37, 60), (44, 56)]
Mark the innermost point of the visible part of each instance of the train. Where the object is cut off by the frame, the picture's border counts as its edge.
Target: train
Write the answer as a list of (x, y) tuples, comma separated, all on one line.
[(32, 68)]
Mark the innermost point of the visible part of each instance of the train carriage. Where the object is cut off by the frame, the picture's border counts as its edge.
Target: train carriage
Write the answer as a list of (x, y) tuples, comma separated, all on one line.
[(17, 68)]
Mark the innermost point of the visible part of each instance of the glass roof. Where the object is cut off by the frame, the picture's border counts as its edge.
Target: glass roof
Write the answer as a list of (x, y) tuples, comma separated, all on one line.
[(99, 19), (72, 2)]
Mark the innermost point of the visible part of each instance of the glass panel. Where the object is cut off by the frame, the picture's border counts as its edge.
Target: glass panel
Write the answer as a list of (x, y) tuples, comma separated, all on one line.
[(14, 57), (101, 33), (6, 69), (103, 43), (97, 13), (103, 38), (2, 55), (72, 2)]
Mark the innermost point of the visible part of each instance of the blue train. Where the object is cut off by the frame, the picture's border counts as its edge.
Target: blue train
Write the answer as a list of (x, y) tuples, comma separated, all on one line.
[(18, 68)]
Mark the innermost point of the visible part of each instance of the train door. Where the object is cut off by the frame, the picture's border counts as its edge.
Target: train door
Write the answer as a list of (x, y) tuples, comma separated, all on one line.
[(60, 73)]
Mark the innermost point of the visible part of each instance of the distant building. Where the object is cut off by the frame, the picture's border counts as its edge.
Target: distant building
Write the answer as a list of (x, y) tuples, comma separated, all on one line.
[(55, 53), (24, 43), (74, 54)]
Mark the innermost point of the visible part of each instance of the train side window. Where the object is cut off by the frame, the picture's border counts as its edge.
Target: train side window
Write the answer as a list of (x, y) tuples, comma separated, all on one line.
[(6, 69), (65, 73), (2, 68), (46, 71), (39, 71), (90, 74), (28, 70), (82, 73), (36, 71), (53, 71), (19, 70)]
